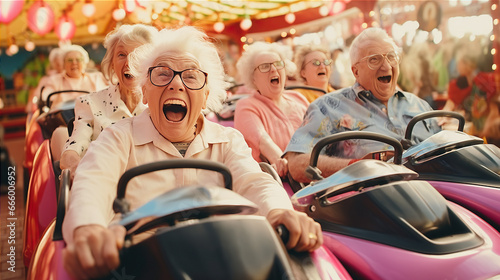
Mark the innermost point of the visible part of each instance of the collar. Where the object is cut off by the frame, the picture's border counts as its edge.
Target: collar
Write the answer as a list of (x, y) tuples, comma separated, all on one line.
[(145, 132), (364, 94)]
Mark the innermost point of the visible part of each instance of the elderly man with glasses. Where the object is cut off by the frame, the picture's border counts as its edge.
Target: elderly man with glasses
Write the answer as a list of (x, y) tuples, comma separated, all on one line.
[(373, 103)]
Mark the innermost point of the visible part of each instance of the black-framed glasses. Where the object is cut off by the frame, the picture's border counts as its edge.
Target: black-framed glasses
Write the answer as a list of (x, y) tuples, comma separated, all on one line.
[(374, 61), (194, 79), (317, 62), (266, 67)]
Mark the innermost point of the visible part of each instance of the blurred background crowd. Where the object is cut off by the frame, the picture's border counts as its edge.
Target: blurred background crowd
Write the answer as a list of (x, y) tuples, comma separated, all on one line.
[(434, 37)]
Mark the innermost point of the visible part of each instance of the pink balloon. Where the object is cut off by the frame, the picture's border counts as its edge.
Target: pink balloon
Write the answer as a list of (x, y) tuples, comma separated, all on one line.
[(10, 9), (40, 18)]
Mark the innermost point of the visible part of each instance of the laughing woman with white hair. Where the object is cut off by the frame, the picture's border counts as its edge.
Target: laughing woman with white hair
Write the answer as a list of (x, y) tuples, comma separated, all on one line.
[(269, 117), (180, 74), (123, 99), (74, 76)]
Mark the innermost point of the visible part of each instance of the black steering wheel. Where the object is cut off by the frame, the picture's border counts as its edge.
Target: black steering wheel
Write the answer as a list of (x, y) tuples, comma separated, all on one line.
[(120, 204), (360, 175), (48, 103), (315, 173), (427, 115)]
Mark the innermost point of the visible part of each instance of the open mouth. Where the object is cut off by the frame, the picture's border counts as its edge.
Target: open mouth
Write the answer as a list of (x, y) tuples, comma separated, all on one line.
[(385, 79), (175, 110), (321, 74), (275, 80)]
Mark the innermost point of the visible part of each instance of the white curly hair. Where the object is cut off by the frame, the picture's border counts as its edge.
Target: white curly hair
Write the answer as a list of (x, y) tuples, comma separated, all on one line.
[(135, 35), (76, 48), (246, 63), (186, 39)]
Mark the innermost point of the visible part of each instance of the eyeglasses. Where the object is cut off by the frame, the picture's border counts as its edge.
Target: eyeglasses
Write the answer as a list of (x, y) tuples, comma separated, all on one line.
[(266, 67), (375, 60), (194, 79), (325, 62), (72, 60)]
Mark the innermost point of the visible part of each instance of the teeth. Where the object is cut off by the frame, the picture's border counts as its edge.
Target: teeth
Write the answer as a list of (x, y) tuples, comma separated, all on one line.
[(175, 102)]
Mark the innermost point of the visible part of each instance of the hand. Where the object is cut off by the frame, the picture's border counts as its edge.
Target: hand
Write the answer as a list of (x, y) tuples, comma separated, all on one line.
[(69, 160), (305, 233), (94, 251), (281, 166)]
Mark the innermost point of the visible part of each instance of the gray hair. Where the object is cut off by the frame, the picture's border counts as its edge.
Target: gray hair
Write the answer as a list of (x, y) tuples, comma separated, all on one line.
[(372, 34), (246, 63), (185, 39), (76, 48), (300, 56), (56, 56), (137, 34)]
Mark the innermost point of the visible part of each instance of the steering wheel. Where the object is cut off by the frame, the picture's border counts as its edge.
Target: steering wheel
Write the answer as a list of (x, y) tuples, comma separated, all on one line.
[(120, 204), (313, 171), (48, 103), (427, 115), (354, 177), (362, 174)]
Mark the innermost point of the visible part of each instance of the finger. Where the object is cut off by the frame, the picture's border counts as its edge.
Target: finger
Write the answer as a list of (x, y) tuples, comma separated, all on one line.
[(319, 235), (89, 252), (111, 246), (308, 239), (298, 237), (72, 265), (311, 237), (119, 232)]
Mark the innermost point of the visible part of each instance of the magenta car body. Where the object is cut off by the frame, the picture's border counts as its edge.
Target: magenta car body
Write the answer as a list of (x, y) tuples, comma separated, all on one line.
[(208, 246)]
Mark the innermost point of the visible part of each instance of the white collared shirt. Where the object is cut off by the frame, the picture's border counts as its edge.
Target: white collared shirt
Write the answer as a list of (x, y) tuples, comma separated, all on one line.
[(135, 141)]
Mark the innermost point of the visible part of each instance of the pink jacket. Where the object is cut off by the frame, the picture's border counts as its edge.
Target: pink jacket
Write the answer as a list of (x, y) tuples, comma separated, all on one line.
[(258, 115)]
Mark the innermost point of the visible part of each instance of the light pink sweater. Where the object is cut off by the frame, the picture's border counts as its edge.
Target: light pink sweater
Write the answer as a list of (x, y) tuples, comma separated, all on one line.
[(258, 115)]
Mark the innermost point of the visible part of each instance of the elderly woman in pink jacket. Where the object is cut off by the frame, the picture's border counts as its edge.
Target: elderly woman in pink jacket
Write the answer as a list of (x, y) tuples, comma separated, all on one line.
[(269, 117)]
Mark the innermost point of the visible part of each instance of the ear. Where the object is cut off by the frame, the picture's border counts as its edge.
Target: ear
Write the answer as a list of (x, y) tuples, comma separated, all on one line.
[(303, 73), (144, 98), (204, 106), (355, 71)]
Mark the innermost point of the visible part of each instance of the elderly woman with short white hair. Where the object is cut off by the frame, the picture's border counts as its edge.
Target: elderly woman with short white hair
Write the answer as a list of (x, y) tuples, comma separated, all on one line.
[(269, 117), (74, 76), (123, 99)]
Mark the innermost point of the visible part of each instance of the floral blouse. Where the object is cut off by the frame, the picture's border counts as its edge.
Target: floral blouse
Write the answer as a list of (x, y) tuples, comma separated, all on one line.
[(355, 109), (93, 113)]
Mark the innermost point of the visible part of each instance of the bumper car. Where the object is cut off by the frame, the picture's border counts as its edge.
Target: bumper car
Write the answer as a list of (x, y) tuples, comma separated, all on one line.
[(382, 222), (461, 167), (41, 188), (226, 115), (40, 126), (194, 232)]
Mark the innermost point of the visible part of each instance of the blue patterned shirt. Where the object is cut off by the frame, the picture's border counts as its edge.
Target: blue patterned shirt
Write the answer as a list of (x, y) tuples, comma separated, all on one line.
[(355, 109)]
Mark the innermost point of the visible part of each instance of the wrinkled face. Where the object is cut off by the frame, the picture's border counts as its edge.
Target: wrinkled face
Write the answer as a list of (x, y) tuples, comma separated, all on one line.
[(316, 76), (175, 108), (270, 84), (120, 64), (73, 64), (381, 81)]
